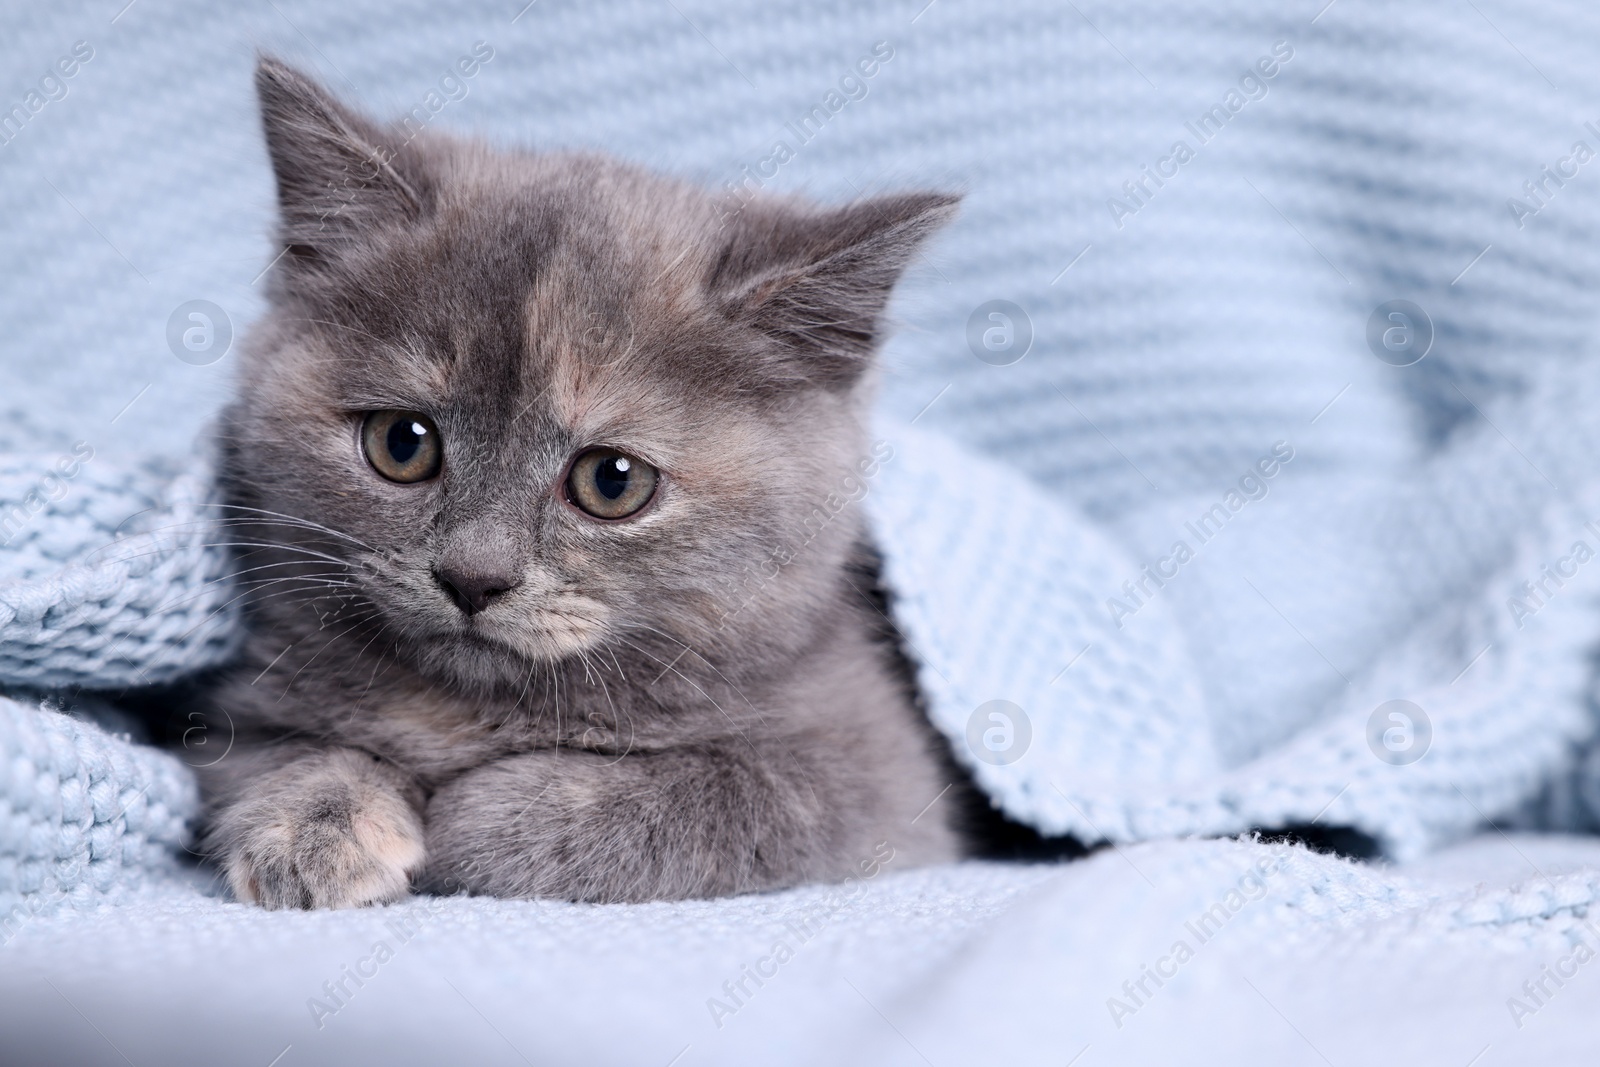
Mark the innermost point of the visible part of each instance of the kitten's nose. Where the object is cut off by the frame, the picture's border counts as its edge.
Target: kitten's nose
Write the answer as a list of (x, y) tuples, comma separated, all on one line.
[(472, 592)]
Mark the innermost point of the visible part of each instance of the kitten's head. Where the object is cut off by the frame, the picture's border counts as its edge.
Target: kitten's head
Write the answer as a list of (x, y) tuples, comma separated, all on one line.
[(554, 403)]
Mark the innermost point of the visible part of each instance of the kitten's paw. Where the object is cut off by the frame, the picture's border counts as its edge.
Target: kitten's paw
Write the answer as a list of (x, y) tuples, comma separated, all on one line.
[(327, 853)]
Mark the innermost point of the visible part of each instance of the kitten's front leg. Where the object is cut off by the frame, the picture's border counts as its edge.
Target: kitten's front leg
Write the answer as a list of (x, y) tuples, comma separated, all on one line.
[(577, 825), (317, 828)]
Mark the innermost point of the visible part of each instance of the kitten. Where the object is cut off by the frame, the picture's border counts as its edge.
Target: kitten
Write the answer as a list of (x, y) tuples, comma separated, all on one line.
[(511, 458)]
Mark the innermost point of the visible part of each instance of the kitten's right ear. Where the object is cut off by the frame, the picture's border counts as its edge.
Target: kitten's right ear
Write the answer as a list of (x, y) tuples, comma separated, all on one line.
[(336, 177)]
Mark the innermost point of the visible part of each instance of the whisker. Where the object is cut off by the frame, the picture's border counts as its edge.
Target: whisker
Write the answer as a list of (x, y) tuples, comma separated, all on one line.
[(804, 773), (223, 607), (532, 667), (278, 519), (320, 651), (272, 545), (298, 519), (673, 668), (332, 578), (234, 575), (617, 663), (714, 669), (617, 719)]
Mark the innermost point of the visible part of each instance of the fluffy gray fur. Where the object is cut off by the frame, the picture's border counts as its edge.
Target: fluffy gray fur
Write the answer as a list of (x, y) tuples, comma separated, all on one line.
[(654, 708)]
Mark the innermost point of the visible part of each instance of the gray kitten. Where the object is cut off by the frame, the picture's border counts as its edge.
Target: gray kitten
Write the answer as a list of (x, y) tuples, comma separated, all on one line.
[(539, 472)]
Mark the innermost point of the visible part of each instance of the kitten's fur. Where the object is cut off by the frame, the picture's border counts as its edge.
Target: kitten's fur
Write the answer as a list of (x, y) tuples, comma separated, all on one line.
[(601, 731)]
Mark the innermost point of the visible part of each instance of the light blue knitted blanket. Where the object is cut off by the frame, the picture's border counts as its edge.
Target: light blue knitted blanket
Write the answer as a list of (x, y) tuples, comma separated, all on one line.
[(1186, 357)]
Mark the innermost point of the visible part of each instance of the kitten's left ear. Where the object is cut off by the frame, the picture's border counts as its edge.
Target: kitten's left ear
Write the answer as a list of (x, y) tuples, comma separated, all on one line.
[(819, 281)]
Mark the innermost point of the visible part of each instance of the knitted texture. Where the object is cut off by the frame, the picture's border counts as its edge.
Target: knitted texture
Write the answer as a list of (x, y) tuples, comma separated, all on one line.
[(1227, 312), (1003, 595), (1000, 591), (973, 963), (84, 816), (1179, 332), (111, 575)]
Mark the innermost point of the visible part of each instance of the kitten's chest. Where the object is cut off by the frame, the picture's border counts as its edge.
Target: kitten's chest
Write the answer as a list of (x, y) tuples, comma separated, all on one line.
[(439, 735)]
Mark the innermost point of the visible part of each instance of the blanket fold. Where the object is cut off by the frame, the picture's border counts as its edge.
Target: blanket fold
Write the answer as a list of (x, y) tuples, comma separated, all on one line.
[(85, 816), (1419, 547)]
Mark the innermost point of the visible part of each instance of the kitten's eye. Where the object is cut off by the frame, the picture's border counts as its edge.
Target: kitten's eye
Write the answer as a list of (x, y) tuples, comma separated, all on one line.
[(403, 446), (609, 484)]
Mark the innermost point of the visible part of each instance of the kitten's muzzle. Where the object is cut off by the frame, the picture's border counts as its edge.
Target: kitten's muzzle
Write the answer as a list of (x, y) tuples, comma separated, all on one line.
[(472, 592)]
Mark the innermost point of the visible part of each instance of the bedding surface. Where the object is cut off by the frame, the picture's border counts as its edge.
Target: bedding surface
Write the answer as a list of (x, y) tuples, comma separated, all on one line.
[(1292, 958)]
